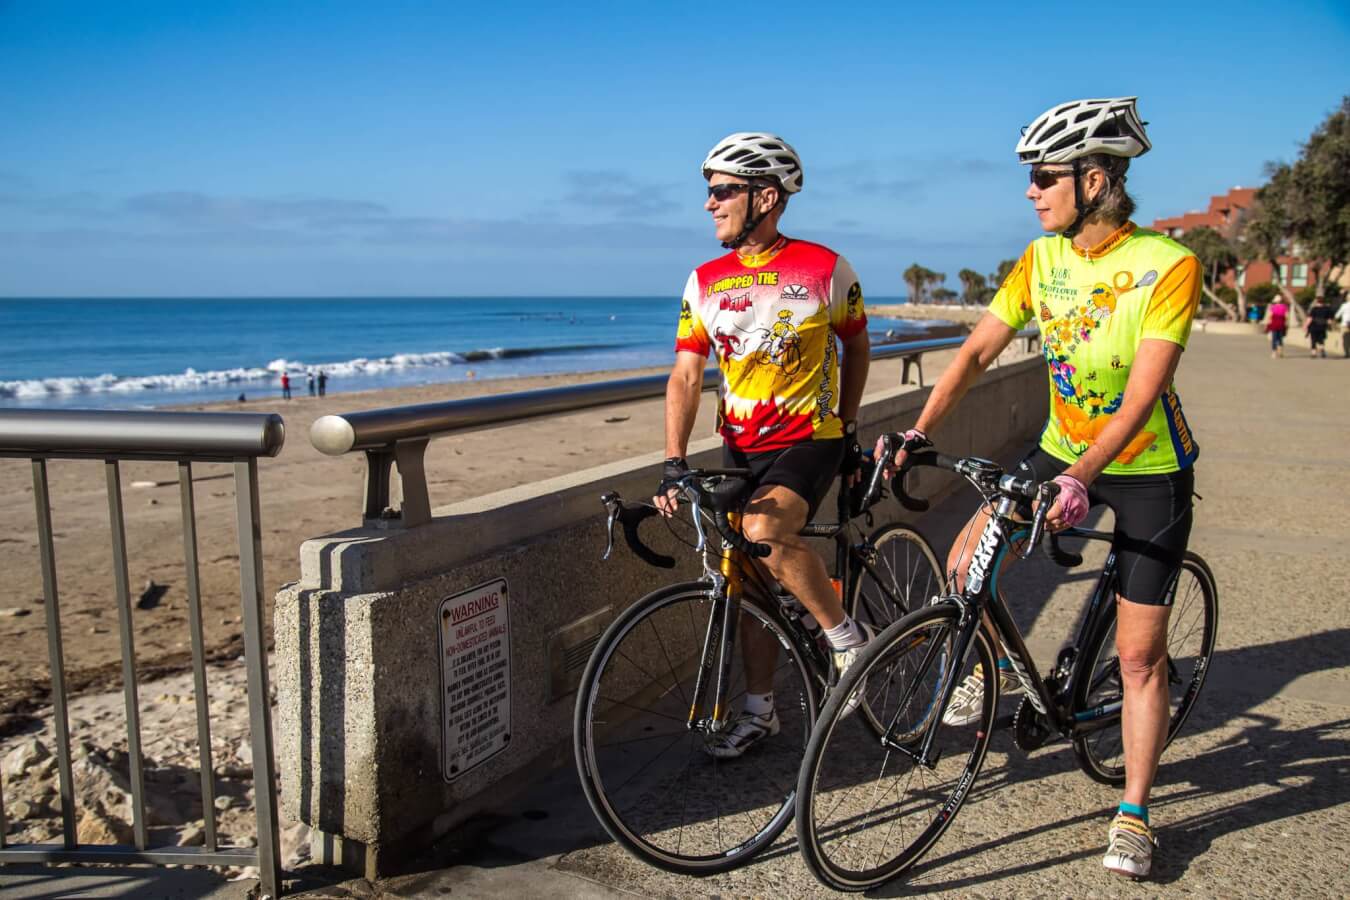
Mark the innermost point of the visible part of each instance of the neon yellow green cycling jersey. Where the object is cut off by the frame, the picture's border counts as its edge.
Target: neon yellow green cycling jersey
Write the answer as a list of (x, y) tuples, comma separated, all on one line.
[(1093, 308)]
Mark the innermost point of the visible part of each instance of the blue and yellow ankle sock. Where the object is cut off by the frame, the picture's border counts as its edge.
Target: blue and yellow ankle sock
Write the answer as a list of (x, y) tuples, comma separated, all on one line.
[(1139, 812)]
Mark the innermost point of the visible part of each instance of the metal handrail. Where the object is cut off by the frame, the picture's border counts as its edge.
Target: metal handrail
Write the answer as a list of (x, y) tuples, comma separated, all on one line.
[(399, 435), (57, 433), (184, 438), (376, 428)]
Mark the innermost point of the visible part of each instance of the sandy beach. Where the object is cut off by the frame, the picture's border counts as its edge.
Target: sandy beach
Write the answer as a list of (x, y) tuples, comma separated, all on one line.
[(304, 494)]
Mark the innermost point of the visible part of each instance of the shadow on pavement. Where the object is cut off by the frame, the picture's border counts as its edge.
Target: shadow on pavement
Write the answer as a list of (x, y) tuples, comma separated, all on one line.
[(1305, 770)]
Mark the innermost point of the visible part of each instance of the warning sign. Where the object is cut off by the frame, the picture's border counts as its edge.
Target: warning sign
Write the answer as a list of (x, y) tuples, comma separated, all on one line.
[(476, 674)]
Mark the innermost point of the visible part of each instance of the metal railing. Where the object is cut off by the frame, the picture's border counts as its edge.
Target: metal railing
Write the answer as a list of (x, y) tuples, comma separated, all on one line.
[(399, 435), (183, 438)]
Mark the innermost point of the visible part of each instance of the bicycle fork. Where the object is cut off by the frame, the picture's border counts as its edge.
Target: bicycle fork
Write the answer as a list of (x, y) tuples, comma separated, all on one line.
[(902, 739)]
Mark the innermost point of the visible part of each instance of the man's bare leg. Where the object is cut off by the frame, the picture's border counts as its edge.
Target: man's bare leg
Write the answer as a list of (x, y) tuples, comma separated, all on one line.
[(773, 516)]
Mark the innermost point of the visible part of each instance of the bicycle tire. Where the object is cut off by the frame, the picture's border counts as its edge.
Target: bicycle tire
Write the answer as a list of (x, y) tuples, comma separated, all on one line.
[(641, 768), (842, 841), (1192, 630), (905, 557)]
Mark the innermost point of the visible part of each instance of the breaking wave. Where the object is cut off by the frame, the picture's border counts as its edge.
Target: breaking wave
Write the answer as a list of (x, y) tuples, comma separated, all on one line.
[(191, 379)]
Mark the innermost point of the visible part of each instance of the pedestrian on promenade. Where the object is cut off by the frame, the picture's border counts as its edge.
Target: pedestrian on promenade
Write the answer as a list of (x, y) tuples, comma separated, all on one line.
[(285, 385), (772, 310), (1277, 323), (310, 380), (1114, 303), (1319, 318), (1343, 317), (323, 382)]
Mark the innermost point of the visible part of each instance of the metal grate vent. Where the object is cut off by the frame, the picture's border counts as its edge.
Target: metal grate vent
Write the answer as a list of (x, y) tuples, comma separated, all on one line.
[(570, 647)]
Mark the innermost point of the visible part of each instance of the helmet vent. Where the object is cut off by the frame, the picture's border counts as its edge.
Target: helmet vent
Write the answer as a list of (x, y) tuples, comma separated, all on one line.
[(1053, 130)]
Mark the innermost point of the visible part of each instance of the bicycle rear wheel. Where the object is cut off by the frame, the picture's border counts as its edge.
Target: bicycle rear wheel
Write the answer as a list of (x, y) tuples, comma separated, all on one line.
[(867, 812), (646, 774), (1192, 629), (901, 573)]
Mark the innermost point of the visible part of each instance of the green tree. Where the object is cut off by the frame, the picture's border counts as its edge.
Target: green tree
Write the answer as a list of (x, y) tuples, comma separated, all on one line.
[(1001, 274), (1262, 293), (934, 279), (1267, 229), (1318, 198), (973, 286), (1217, 256), (919, 279), (943, 295)]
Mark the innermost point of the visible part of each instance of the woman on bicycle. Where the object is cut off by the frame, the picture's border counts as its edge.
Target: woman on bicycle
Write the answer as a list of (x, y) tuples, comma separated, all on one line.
[(1114, 303)]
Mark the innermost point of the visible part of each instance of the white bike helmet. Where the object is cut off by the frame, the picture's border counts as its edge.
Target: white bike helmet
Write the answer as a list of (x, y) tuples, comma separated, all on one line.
[(1078, 128), (756, 154)]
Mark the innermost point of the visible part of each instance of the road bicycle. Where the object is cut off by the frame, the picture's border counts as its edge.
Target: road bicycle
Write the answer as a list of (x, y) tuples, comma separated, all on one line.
[(667, 676), (868, 809)]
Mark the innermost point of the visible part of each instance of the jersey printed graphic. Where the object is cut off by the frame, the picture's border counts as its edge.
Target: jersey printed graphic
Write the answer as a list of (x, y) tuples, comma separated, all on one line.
[(772, 321), (1093, 309)]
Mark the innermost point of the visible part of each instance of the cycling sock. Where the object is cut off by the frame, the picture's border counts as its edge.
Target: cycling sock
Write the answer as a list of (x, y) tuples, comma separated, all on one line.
[(1139, 812), (760, 705), (846, 634)]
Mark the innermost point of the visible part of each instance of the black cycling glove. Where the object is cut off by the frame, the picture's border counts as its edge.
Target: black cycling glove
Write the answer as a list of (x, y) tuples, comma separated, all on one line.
[(672, 470)]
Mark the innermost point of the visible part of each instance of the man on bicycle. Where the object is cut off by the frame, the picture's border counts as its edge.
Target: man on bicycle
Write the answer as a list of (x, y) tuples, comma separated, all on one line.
[(772, 309)]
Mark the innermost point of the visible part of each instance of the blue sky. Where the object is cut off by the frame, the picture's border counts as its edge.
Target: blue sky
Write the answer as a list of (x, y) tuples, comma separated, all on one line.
[(287, 148)]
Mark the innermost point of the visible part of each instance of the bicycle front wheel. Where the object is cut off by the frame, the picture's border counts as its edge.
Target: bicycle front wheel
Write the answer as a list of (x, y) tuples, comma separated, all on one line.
[(648, 775), (1192, 628), (868, 810)]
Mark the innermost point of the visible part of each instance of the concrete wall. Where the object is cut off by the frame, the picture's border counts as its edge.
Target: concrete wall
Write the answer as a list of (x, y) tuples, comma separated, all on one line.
[(357, 655)]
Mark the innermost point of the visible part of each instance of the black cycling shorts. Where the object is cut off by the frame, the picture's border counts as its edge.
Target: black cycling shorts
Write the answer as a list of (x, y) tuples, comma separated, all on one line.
[(807, 469), (1153, 523)]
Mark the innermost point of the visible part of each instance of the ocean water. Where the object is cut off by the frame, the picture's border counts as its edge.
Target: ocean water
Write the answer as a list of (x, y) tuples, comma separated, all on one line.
[(143, 353)]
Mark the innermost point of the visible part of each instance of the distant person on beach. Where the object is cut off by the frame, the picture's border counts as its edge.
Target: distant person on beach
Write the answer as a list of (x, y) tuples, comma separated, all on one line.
[(285, 385), (323, 382), (772, 309), (1319, 319), (1277, 323), (1343, 317), (310, 380), (1114, 304), (1253, 313)]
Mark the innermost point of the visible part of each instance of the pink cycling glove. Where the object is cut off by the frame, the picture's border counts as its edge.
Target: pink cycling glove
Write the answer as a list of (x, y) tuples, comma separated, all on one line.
[(1073, 500)]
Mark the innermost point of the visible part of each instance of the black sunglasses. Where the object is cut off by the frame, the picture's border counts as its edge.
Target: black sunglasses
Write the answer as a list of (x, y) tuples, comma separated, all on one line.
[(724, 192), (1046, 178)]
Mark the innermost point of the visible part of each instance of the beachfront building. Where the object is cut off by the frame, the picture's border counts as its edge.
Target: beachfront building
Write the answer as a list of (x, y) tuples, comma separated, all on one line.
[(1224, 215)]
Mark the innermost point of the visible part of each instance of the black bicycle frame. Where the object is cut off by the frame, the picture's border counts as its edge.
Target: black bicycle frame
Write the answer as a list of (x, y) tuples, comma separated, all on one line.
[(986, 564)]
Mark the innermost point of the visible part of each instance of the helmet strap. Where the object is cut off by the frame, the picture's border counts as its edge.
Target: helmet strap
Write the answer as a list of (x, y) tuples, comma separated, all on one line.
[(751, 220), (1083, 208)]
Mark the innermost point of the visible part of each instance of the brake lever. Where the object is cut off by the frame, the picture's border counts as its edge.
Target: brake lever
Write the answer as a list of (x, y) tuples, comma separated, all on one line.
[(1046, 492), (613, 506), (630, 517)]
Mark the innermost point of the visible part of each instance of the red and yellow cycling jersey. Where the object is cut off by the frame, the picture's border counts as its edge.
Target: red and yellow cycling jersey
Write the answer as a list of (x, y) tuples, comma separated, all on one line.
[(773, 319), (1093, 308)]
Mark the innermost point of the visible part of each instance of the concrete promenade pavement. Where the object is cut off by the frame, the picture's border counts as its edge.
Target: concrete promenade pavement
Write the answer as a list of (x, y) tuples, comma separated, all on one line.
[(1251, 800)]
